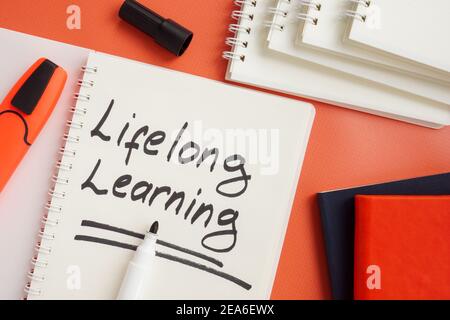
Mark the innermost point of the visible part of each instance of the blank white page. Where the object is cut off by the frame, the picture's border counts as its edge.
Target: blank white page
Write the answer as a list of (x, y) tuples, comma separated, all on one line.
[(413, 30), (215, 164), (279, 40), (328, 35)]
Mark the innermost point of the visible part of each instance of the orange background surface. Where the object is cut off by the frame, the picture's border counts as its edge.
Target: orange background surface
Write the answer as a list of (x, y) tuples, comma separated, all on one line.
[(347, 148)]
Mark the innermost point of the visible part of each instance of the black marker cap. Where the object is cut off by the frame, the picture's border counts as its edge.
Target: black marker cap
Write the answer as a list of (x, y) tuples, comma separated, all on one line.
[(166, 32)]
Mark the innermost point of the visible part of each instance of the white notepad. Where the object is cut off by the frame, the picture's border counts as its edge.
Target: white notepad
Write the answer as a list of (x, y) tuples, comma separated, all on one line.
[(253, 63), (328, 32), (286, 17), (216, 165), (413, 30)]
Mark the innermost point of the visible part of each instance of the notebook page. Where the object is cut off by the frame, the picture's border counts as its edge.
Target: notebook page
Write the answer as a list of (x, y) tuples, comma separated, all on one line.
[(413, 30), (139, 159), (329, 32)]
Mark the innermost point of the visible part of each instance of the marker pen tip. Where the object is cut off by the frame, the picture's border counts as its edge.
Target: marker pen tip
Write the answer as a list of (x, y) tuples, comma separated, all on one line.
[(154, 228)]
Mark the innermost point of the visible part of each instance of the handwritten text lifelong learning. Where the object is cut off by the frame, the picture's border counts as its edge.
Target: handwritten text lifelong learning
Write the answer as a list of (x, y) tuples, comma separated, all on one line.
[(224, 238)]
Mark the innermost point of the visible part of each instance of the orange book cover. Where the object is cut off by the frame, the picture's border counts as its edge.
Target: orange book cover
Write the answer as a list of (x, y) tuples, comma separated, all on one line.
[(402, 247)]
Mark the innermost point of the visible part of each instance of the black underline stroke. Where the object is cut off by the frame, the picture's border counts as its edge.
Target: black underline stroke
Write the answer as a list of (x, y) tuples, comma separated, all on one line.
[(25, 135), (196, 265), (186, 262), (98, 225), (106, 241)]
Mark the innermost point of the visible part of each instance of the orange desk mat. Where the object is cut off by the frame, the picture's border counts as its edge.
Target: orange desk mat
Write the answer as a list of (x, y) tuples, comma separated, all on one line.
[(347, 148)]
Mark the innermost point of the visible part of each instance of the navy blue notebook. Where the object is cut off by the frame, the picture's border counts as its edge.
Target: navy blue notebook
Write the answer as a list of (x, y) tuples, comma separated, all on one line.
[(338, 222)]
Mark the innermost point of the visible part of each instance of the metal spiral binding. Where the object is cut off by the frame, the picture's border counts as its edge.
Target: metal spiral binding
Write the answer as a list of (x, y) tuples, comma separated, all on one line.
[(236, 42), (244, 18), (63, 166), (41, 249), (236, 28), (240, 14), (88, 69), (273, 25), (312, 4), (307, 17), (34, 277), (52, 222), (365, 3), (355, 14), (47, 236), (86, 83), (278, 12), (241, 3), (70, 138), (78, 110), (66, 152), (38, 263), (75, 124), (82, 97), (54, 207)]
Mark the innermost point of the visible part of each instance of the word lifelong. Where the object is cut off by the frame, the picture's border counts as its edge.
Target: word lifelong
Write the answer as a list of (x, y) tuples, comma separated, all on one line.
[(222, 240)]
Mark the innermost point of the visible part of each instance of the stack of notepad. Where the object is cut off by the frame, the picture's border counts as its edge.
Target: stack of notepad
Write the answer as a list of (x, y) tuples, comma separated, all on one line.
[(378, 56), (390, 240)]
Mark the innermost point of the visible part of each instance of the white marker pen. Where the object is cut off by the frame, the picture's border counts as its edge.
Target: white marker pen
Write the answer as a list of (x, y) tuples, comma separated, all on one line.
[(140, 267)]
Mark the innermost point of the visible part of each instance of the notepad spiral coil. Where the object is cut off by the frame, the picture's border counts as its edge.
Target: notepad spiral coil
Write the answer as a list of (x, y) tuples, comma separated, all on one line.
[(55, 206), (354, 14), (310, 12), (307, 12), (244, 17)]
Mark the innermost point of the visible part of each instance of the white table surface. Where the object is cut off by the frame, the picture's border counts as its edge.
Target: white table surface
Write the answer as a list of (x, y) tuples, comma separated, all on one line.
[(23, 199)]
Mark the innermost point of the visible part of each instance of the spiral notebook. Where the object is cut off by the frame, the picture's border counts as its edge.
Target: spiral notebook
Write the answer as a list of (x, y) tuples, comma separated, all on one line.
[(253, 63), (285, 24), (217, 166), (324, 30), (412, 30)]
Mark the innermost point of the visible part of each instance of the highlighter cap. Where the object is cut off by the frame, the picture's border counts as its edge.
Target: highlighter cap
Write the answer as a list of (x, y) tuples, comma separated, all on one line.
[(166, 32)]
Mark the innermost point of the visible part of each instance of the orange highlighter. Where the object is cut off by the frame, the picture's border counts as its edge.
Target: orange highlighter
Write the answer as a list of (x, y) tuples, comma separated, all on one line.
[(24, 112)]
